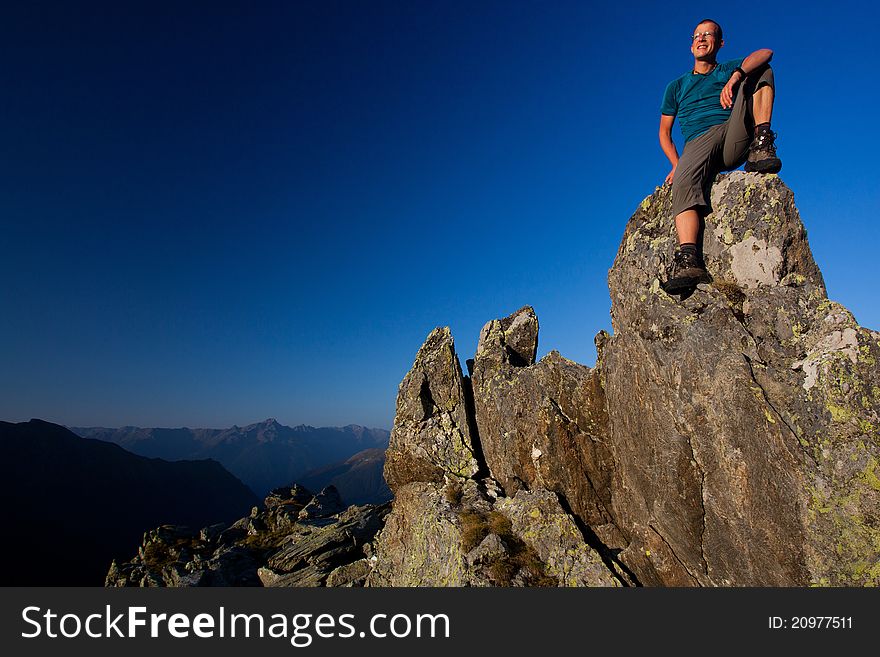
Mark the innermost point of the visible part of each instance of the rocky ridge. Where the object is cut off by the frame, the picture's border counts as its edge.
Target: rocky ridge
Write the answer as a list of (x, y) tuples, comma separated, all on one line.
[(295, 539), (727, 437)]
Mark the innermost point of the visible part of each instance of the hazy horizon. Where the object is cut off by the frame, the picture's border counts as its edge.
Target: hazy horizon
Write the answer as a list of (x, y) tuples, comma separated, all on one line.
[(240, 426)]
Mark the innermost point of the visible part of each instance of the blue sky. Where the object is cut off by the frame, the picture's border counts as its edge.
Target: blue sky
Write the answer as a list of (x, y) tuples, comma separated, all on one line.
[(220, 212)]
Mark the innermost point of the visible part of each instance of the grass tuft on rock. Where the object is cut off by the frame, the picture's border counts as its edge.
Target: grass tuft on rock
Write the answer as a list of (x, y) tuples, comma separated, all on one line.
[(521, 559)]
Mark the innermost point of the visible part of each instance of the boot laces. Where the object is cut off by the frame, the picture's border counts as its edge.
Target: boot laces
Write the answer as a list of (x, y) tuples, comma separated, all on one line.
[(684, 258), (762, 140)]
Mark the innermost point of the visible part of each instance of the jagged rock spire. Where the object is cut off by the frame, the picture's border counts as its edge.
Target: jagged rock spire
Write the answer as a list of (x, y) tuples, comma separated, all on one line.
[(431, 436)]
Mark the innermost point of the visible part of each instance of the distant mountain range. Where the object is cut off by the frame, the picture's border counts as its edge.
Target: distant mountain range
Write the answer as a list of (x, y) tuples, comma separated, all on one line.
[(358, 479), (267, 454), (72, 505)]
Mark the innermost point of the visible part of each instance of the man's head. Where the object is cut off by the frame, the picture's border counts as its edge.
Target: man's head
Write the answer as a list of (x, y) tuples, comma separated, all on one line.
[(707, 40)]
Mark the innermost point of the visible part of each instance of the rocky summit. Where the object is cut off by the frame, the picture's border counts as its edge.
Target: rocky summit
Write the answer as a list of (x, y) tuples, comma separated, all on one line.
[(725, 437)]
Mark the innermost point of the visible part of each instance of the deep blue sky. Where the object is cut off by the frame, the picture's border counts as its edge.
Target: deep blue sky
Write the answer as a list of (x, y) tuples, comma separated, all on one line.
[(216, 213)]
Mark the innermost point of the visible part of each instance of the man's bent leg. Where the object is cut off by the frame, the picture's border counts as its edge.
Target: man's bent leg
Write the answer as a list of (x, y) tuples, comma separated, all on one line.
[(753, 107), (687, 225), (762, 104)]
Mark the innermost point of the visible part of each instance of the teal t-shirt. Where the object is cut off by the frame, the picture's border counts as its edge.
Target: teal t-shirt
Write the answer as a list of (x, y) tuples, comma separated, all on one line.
[(696, 99)]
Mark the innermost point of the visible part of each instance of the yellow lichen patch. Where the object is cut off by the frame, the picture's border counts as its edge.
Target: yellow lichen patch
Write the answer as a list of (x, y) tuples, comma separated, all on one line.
[(818, 501), (840, 518), (658, 242), (869, 474), (631, 242), (839, 413), (824, 306)]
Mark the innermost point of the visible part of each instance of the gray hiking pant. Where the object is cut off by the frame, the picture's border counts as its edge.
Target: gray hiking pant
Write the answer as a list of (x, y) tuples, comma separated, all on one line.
[(723, 147)]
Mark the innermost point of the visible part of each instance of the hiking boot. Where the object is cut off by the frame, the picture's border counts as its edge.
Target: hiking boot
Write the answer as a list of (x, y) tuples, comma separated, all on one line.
[(762, 153), (686, 272)]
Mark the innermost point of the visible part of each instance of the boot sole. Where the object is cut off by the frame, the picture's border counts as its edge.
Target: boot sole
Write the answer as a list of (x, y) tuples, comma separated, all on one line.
[(773, 165), (675, 285)]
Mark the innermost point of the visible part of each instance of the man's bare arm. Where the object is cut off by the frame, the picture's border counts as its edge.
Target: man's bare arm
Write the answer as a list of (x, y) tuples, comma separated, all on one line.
[(667, 144), (754, 61)]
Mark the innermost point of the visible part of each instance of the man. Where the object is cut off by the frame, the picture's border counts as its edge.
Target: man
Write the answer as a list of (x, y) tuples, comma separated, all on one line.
[(724, 111)]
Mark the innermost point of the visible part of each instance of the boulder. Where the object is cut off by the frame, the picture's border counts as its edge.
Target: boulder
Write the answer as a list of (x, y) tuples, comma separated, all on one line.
[(324, 504)]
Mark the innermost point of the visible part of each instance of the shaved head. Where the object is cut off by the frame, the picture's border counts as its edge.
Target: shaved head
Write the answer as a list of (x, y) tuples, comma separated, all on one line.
[(718, 32)]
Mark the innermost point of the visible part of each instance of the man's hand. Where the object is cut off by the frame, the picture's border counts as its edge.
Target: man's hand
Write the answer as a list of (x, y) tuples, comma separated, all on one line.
[(670, 176), (730, 89)]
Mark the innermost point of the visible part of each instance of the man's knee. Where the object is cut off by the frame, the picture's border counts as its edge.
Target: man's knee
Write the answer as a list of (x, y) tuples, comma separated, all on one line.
[(762, 77)]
